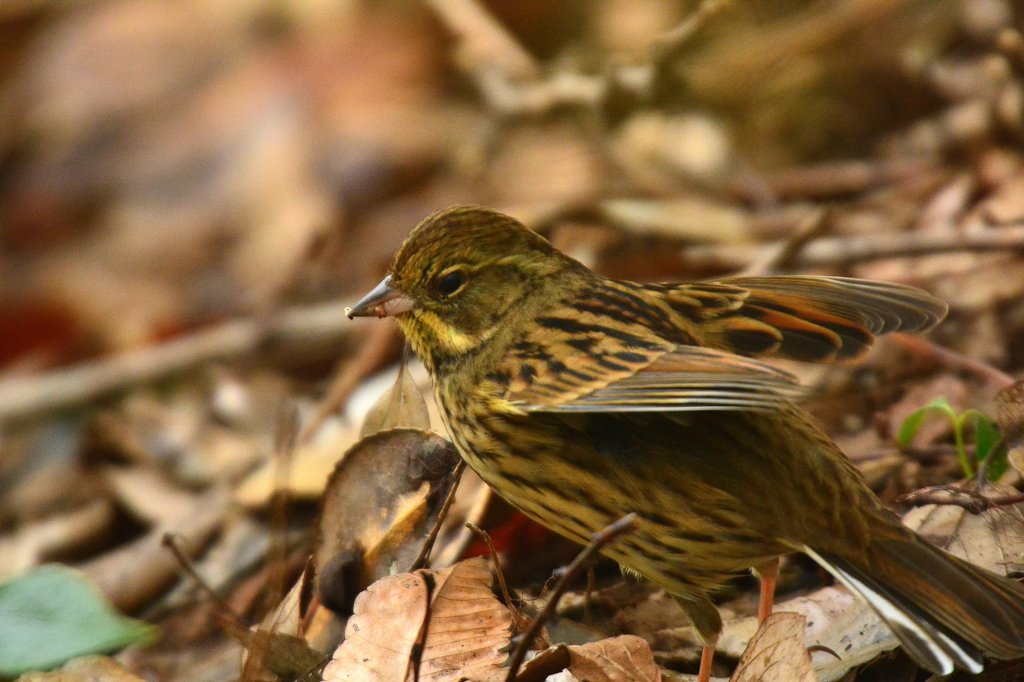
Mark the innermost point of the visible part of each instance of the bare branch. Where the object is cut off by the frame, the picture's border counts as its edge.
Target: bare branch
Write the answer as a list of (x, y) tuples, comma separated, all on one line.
[(24, 396)]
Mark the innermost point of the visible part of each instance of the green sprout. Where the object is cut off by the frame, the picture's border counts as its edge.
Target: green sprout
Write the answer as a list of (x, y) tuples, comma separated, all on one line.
[(989, 448)]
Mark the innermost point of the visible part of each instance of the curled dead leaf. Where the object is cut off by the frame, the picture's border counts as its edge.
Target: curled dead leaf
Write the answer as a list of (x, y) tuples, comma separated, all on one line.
[(381, 500)]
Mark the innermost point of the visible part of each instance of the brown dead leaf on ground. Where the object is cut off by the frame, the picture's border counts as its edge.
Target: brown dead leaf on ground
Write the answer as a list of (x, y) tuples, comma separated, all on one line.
[(440, 625), (777, 653), (379, 504), (626, 658)]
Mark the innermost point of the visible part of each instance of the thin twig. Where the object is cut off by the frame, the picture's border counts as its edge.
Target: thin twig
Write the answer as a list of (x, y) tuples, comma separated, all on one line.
[(953, 360), (973, 502), (624, 525), (428, 544), (494, 558), (171, 542), (24, 396)]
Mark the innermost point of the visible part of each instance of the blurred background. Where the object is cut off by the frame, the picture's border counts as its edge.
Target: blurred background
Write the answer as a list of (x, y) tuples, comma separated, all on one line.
[(192, 190)]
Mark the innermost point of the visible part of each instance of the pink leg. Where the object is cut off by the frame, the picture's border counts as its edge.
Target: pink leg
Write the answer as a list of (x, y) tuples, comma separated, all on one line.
[(768, 573)]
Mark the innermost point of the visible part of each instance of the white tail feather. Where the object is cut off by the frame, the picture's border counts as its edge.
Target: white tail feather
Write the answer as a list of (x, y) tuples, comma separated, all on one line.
[(931, 647)]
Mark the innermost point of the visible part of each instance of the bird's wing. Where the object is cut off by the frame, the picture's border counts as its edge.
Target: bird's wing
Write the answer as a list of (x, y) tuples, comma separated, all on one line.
[(685, 378), (814, 319)]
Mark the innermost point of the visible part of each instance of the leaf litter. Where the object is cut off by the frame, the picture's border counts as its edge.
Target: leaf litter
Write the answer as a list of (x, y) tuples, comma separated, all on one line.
[(182, 181)]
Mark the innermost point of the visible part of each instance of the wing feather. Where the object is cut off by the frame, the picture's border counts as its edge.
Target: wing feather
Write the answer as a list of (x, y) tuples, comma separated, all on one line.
[(687, 378), (813, 319)]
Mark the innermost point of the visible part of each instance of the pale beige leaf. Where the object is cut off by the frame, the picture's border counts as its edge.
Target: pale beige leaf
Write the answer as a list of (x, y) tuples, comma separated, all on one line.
[(382, 632), (626, 658), (402, 405), (312, 464), (777, 652), (835, 619)]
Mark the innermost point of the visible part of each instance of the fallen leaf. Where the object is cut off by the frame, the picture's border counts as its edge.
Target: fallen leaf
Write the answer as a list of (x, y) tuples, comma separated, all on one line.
[(468, 627), (626, 658), (777, 653), (379, 504), (449, 616), (52, 613), (382, 632), (835, 619), (402, 405), (993, 539)]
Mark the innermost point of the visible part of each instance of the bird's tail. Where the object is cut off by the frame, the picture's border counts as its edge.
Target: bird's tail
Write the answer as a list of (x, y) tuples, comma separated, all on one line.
[(946, 612)]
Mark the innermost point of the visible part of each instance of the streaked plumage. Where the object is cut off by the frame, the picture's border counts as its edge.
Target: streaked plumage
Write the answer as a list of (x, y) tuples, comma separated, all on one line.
[(580, 399)]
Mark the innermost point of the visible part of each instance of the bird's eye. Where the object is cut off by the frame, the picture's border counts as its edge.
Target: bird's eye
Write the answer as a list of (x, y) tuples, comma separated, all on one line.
[(451, 282)]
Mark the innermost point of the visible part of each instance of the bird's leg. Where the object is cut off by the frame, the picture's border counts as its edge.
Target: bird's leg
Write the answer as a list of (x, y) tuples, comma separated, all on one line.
[(707, 655), (706, 620), (768, 574)]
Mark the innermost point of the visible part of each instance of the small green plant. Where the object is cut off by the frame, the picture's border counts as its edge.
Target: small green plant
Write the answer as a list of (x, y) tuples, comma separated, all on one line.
[(989, 448)]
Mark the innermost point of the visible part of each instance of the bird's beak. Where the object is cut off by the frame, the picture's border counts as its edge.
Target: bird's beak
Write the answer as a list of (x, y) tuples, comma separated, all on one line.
[(385, 300)]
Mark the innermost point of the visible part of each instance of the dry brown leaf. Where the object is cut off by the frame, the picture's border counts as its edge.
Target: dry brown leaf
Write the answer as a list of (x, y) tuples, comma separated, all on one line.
[(378, 505), (626, 658), (402, 405), (835, 619), (147, 494), (468, 626), (382, 632), (777, 652), (461, 633)]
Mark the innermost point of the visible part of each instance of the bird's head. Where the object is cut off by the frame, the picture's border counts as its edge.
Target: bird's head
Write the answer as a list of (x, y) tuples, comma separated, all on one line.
[(460, 275)]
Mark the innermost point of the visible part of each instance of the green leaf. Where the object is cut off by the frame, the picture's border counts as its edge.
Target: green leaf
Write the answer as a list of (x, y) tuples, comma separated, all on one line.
[(52, 613), (986, 436), (912, 423), (999, 466), (988, 444)]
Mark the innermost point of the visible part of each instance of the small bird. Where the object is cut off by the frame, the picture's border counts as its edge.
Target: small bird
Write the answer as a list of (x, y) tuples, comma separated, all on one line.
[(580, 399)]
